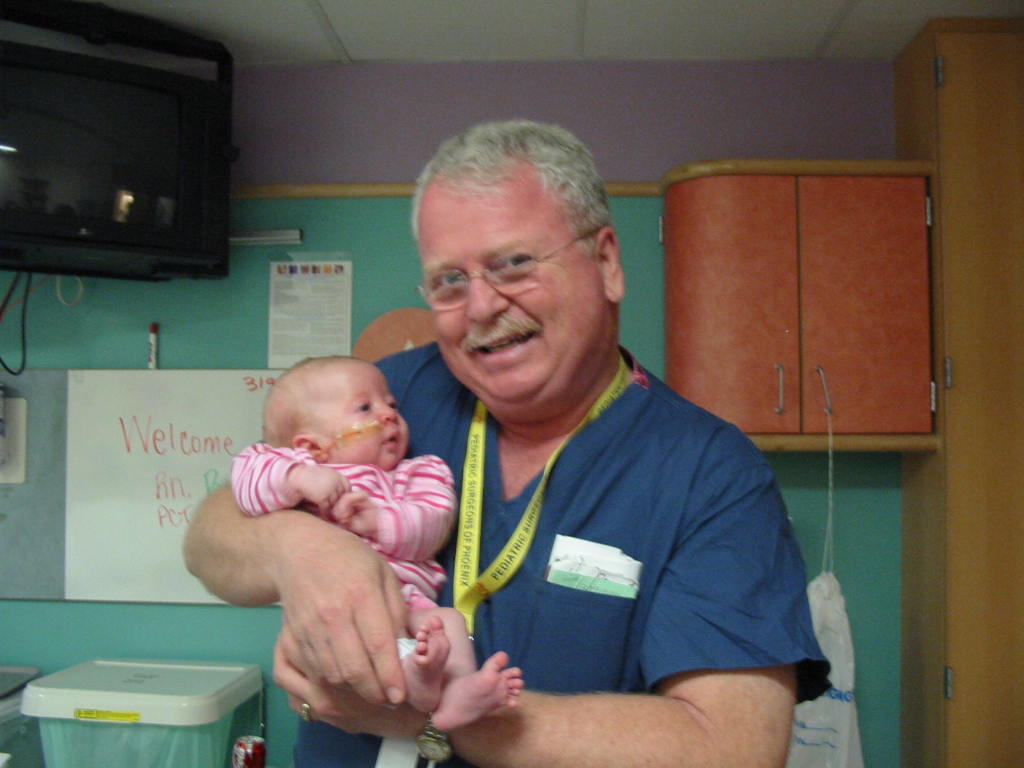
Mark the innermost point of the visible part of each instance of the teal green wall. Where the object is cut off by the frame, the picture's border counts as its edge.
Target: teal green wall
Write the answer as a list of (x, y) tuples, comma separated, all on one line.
[(223, 324)]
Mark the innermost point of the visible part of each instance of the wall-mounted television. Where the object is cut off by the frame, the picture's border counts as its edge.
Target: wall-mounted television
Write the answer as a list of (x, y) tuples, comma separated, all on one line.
[(110, 168)]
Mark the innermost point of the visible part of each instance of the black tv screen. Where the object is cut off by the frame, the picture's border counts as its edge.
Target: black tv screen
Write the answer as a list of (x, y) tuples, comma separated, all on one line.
[(111, 169)]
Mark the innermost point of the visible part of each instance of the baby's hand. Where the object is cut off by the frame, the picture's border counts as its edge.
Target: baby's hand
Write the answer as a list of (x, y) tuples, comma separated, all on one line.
[(318, 486), (357, 513)]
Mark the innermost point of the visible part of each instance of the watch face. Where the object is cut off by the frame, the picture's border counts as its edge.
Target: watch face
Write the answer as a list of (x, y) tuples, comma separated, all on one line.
[(434, 747)]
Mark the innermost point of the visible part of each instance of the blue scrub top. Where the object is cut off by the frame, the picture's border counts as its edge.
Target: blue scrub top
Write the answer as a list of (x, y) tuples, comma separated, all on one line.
[(722, 585)]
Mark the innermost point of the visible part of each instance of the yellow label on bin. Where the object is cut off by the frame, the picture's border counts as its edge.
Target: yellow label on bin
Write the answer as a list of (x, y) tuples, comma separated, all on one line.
[(107, 714)]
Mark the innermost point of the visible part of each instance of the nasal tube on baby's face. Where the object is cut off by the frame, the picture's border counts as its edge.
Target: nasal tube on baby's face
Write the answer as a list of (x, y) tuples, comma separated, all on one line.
[(359, 431)]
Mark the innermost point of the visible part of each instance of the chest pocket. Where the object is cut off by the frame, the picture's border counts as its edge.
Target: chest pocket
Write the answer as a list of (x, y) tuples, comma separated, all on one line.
[(575, 641)]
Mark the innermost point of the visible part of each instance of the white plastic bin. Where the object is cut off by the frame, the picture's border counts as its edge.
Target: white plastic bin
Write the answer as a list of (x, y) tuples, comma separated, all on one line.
[(122, 713)]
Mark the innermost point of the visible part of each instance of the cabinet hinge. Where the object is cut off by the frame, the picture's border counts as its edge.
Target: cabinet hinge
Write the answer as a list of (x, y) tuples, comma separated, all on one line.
[(947, 372), (939, 72), (661, 229), (934, 397), (947, 682), (928, 211)]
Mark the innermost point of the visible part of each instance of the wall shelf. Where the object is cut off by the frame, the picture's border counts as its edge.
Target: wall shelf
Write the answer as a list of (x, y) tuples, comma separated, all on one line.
[(811, 443)]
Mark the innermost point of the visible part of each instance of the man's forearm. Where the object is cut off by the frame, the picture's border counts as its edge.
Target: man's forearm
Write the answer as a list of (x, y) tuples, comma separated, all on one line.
[(228, 551), (733, 719)]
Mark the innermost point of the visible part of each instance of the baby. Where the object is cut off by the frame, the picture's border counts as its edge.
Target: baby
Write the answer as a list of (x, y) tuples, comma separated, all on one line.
[(335, 444)]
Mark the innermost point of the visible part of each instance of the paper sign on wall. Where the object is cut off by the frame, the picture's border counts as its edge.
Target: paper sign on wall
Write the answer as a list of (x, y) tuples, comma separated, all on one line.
[(310, 310)]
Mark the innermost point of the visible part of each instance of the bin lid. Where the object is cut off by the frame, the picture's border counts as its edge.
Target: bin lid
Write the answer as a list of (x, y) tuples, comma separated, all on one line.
[(143, 691)]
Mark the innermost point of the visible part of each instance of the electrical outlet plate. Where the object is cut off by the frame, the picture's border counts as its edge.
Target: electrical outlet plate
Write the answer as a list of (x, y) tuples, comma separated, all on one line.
[(15, 420)]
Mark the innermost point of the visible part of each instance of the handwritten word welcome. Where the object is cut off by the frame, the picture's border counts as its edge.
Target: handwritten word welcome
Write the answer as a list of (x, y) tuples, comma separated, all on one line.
[(145, 438)]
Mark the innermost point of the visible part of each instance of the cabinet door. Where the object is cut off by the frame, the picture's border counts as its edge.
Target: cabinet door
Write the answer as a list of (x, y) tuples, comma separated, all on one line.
[(865, 303), (981, 143), (732, 318)]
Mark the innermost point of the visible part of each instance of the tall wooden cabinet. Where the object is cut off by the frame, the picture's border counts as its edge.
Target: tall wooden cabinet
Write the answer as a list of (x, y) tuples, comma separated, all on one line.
[(960, 103), (796, 286)]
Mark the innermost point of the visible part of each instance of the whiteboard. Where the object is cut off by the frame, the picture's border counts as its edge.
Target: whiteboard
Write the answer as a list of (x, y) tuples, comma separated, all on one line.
[(143, 449)]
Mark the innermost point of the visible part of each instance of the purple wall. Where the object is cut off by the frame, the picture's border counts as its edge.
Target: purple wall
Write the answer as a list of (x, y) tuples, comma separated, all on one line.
[(380, 122)]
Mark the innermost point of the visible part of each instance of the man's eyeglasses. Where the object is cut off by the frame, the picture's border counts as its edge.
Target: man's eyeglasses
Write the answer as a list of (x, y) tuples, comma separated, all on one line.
[(449, 288)]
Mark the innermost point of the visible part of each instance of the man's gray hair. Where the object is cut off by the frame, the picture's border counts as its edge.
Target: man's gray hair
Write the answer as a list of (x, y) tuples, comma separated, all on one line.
[(488, 154)]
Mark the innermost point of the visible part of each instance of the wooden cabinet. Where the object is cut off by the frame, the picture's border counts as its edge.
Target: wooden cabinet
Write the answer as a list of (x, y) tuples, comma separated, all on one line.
[(960, 103), (793, 286)]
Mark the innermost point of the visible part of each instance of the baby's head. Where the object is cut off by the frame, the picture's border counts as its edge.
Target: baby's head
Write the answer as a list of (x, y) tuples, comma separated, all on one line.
[(339, 409)]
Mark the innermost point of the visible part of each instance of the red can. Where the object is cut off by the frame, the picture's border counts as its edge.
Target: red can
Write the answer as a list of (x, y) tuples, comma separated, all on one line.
[(249, 752)]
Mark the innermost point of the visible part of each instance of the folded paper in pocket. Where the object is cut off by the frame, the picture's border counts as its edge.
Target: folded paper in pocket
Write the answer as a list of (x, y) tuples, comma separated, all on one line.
[(591, 567)]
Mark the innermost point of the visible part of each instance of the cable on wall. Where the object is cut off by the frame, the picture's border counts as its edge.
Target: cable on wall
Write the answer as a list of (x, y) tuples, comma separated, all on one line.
[(4, 305)]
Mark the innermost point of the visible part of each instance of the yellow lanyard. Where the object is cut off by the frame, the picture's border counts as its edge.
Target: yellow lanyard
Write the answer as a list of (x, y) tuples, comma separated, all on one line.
[(469, 587)]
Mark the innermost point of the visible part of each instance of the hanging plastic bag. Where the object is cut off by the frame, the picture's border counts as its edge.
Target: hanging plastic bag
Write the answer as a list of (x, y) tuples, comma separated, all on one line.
[(825, 730)]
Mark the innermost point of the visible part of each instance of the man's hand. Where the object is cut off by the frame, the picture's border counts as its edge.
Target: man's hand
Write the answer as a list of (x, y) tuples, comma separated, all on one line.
[(344, 608), (338, 705), (340, 598)]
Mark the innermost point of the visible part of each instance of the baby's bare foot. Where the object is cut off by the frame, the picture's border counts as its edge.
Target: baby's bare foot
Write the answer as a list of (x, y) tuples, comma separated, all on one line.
[(424, 667), (466, 699)]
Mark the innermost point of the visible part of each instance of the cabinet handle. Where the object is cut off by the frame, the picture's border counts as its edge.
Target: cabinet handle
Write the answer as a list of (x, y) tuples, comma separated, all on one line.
[(824, 386), (782, 388)]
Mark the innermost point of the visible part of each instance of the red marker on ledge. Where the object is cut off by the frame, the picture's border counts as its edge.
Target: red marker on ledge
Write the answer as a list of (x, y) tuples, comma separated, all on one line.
[(154, 329)]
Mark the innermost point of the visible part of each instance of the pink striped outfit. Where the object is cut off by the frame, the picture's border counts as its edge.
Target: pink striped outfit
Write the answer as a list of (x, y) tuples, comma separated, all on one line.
[(416, 500)]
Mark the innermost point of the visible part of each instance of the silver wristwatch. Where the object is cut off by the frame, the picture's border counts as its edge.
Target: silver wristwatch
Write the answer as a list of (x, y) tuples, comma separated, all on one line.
[(432, 743)]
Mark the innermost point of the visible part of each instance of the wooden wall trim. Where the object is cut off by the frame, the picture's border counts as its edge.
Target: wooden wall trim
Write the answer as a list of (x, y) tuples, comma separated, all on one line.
[(398, 189), (783, 167)]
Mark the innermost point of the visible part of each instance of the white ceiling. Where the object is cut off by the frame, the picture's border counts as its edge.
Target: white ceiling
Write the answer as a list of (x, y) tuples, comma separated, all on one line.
[(269, 32)]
